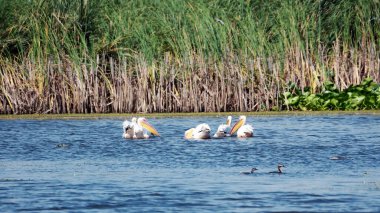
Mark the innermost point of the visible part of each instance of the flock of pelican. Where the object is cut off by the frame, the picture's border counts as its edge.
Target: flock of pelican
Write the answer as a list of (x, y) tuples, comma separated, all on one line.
[(140, 129), (202, 131)]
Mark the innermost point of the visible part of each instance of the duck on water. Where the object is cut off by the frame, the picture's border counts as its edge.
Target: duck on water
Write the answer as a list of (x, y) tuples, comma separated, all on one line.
[(249, 172), (279, 171)]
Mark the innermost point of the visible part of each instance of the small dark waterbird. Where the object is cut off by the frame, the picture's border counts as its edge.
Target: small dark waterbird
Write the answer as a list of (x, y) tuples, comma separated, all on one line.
[(279, 171), (63, 145), (249, 172)]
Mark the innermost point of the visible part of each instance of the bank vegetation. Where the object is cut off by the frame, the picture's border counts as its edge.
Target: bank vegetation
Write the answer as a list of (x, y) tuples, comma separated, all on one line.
[(113, 56)]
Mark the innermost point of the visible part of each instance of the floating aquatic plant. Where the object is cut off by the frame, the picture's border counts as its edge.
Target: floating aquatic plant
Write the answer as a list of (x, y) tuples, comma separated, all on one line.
[(364, 96)]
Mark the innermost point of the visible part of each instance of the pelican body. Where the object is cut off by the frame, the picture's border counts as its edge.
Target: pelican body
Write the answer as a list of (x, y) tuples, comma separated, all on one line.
[(243, 130), (138, 129), (202, 131), (223, 129)]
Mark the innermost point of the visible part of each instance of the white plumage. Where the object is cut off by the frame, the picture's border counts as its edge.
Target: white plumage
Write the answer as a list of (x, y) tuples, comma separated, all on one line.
[(223, 129), (138, 129), (128, 129), (202, 131), (243, 130)]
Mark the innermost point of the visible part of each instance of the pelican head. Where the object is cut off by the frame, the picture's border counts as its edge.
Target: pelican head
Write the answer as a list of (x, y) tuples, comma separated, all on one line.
[(137, 129), (203, 128), (143, 122), (238, 124), (202, 131), (223, 129), (221, 132)]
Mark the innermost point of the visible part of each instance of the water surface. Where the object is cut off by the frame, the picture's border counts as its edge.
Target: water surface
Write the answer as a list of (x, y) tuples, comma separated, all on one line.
[(85, 165)]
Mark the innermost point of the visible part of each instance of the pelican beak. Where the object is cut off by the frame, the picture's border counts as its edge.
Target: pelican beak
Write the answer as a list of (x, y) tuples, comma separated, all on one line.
[(236, 126), (149, 127)]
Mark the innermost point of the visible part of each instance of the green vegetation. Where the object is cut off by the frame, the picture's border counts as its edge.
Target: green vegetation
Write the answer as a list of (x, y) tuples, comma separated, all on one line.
[(364, 96), (113, 56)]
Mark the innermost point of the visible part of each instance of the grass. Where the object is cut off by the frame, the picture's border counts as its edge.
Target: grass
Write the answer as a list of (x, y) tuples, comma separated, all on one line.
[(149, 56)]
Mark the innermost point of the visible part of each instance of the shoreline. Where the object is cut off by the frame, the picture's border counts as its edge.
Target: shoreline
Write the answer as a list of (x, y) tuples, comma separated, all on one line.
[(185, 114)]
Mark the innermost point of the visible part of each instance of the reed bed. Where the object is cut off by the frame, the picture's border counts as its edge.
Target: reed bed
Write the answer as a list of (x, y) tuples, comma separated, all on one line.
[(179, 56)]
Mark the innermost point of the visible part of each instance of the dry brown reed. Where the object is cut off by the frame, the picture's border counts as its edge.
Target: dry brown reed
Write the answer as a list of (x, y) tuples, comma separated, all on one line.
[(193, 84)]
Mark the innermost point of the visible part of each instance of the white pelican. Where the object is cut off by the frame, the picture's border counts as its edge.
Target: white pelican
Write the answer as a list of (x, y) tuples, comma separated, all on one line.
[(137, 129), (243, 130), (202, 131), (223, 129)]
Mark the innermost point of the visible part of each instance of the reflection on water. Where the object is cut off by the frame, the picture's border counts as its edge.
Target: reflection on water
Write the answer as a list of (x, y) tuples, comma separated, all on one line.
[(77, 165)]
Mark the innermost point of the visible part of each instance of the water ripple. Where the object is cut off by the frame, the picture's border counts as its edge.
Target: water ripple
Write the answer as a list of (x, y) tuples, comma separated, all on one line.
[(80, 165)]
